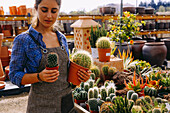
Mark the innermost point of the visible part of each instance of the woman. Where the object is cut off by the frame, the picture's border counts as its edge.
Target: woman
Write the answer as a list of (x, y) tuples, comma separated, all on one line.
[(50, 92)]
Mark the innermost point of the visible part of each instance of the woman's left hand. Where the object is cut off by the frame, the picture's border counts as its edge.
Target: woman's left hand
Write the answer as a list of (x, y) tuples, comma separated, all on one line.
[(83, 75)]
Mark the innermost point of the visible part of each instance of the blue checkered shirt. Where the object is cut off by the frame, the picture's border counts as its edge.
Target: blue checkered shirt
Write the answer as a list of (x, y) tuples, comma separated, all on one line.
[(26, 55)]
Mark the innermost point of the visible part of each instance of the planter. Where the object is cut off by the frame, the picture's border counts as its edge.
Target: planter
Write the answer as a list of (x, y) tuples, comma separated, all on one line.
[(87, 105), (73, 77), (4, 55), (137, 49), (141, 94), (79, 101), (2, 84), (152, 26), (140, 10), (94, 52), (2, 76), (161, 25), (7, 71), (154, 53), (52, 68), (1, 38), (149, 10), (94, 111), (129, 9), (167, 44), (107, 10), (124, 47), (104, 55)]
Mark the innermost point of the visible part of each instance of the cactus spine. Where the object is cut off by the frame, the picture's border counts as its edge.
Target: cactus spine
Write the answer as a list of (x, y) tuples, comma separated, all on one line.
[(103, 43), (90, 93), (82, 58), (52, 60)]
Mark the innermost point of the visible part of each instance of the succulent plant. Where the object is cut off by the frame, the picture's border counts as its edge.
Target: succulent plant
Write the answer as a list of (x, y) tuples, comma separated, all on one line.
[(86, 86), (150, 91), (137, 109), (95, 69), (111, 89), (91, 83), (159, 100), (112, 95), (103, 43), (108, 99), (105, 69), (156, 110), (134, 97), (90, 93), (104, 108), (96, 92), (148, 99), (103, 93), (82, 85), (83, 95), (111, 71), (139, 101), (52, 60), (93, 76), (93, 104), (82, 58), (129, 94)]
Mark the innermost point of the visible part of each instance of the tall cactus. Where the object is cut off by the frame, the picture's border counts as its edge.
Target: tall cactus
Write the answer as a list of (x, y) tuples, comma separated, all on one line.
[(96, 92), (103, 93), (90, 93), (92, 76), (86, 86), (134, 97), (105, 69), (52, 60), (91, 83), (83, 95), (82, 58), (103, 43)]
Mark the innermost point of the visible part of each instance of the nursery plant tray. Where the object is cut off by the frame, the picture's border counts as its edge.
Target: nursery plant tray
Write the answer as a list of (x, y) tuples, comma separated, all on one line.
[(11, 89)]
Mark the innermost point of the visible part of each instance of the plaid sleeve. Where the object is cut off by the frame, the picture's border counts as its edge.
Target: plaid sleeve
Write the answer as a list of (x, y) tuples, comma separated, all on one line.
[(18, 61)]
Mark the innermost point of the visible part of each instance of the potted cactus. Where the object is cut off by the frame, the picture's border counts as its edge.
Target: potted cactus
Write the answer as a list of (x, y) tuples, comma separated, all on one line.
[(80, 60), (95, 69), (104, 49), (52, 61)]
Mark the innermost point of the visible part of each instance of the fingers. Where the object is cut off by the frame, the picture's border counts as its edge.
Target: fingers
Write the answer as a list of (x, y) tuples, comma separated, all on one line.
[(83, 75), (49, 75)]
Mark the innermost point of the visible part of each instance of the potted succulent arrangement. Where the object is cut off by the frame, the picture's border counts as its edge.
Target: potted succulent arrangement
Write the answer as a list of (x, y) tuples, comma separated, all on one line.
[(80, 60), (52, 61), (94, 35), (104, 49)]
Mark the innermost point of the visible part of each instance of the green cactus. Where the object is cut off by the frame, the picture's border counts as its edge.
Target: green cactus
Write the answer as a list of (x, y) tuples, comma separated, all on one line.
[(106, 83), (105, 69), (156, 110), (150, 91), (110, 89), (82, 58), (82, 84), (148, 99), (112, 95), (138, 109), (100, 102), (108, 99), (96, 92), (130, 101), (134, 97), (91, 83), (52, 60), (139, 101), (97, 82), (93, 76), (104, 108), (83, 95), (78, 89), (93, 104), (86, 86), (103, 93), (103, 43), (111, 71), (159, 100), (90, 93), (95, 69), (129, 94)]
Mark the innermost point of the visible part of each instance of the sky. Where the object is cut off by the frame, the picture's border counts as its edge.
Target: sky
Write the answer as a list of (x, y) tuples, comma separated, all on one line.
[(70, 5)]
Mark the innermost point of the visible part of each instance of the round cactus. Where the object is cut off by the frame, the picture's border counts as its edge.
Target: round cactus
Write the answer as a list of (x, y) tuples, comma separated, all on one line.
[(112, 95), (111, 71), (93, 76), (148, 99), (91, 83), (82, 84), (134, 97), (93, 104), (105, 69), (138, 109), (103, 93), (52, 60), (83, 95), (103, 43), (156, 110), (139, 102), (95, 69), (110, 89), (82, 58), (159, 100), (90, 93), (106, 83), (129, 94), (108, 99)]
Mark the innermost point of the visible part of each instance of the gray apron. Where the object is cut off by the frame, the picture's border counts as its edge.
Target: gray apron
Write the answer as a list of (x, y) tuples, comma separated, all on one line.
[(53, 97)]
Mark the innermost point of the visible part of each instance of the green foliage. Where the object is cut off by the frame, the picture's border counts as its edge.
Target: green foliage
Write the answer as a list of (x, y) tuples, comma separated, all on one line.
[(103, 43), (96, 92), (150, 91), (82, 85), (110, 89), (52, 60), (82, 58), (86, 86), (148, 99), (91, 83), (139, 101), (112, 95), (156, 110)]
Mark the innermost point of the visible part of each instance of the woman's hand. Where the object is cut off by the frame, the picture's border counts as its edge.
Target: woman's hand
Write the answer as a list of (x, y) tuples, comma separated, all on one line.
[(83, 75), (49, 75)]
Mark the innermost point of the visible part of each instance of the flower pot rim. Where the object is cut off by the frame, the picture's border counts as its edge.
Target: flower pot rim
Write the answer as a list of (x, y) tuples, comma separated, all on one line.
[(140, 7), (154, 43), (140, 41), (79, 65), (3, 84)]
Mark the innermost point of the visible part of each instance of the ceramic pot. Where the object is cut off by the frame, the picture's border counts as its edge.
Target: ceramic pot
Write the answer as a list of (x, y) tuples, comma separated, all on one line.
[(4, 55), (73, 77), (161, 25), (1, 38), (129, 9), (104, 55), (166, 25), (94, 52), (149, 10), (167, 44), (137, 49), (140, 10), (154, 53), (79, 101), (2, 75), (107, 10), (2, 84), (7, 71), (124, 47), (52, 68)]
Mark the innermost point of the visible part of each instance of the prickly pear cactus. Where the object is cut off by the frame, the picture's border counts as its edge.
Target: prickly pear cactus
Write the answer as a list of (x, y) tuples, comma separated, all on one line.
[(52, 60)]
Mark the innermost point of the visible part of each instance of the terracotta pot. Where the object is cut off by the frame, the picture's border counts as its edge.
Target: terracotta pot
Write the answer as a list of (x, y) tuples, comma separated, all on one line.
[(2, 84), (154, 53), (1, 38), (23, 9), (137, 49), (4, 55), (52, 68), (129, 9), (104, 55), (94, 111), (14, 10), (7, 71), (2, 76), (140, 10), (124, 47), (79, 101), (73, 77), (167, 43), (149, 10), (87, 106)]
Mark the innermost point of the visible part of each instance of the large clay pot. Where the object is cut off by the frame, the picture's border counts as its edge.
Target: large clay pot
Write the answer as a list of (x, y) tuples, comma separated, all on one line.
[(2, 75), (129, 9), (146, 26), (124, 47), (154, 53), (137, 49), (140, 10), (4, 55), (167, 43), (149, 10), (1, 38), (107, 10)]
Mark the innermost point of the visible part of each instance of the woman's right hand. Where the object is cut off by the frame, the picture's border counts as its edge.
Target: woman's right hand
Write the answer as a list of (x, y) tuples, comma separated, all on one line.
[(49, 75)]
